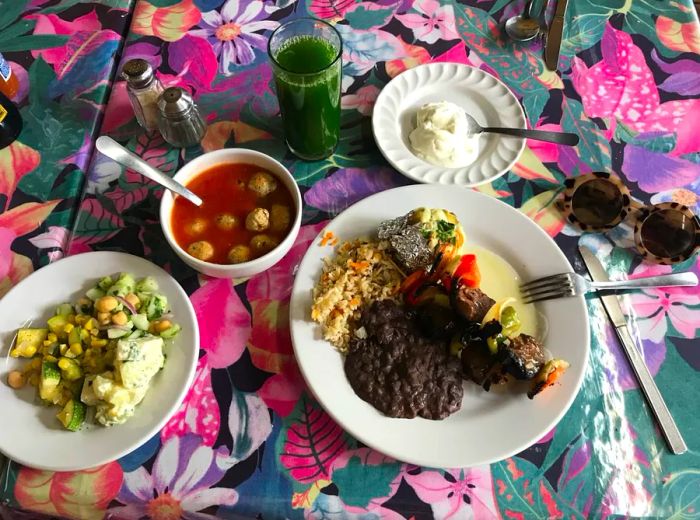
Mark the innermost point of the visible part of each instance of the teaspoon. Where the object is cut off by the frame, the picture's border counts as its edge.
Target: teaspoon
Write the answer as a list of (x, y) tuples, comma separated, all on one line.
[(116, 152), (523, 27)]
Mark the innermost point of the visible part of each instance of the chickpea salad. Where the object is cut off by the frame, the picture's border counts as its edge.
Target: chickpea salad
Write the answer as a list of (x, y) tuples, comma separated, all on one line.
[(99, 355)]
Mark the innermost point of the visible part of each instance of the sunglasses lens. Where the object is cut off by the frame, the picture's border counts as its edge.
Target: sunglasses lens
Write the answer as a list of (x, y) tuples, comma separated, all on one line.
[(597, 203), (668, 233)]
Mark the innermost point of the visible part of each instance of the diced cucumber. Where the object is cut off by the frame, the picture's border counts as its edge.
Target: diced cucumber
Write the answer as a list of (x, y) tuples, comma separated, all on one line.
[(72, 416), (114, 333), (64, 309), (123, 286), (105, 283), (95, 293), (74, 335), (140, 321), (49, 380), (171, 332), (147, 284), (56, 323), (157, 306), (70, 369), (136, 334), (87, 395)]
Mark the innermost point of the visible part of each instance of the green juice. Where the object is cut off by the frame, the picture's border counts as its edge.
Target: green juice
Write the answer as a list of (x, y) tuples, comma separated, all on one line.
[(308, 77)]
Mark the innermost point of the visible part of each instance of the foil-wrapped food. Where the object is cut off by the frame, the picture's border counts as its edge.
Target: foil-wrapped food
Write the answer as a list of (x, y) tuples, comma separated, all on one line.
[(409, 247)]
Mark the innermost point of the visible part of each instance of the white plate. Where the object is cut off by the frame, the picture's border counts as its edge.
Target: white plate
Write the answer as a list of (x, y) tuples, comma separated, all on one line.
[(31, 434), (480, 94), (490, 425)]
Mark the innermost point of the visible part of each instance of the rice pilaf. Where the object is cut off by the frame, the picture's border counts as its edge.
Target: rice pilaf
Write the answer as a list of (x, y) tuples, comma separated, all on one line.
[(361, 271)]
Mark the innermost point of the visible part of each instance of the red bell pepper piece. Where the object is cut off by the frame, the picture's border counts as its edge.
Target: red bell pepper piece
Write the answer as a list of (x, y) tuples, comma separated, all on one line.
[(467, 271)]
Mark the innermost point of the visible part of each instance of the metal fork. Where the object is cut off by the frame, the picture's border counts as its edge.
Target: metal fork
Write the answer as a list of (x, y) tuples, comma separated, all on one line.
[(571, 284)]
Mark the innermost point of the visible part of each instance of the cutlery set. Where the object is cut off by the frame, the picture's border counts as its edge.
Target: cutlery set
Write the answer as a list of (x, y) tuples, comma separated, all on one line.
[(527, 26)]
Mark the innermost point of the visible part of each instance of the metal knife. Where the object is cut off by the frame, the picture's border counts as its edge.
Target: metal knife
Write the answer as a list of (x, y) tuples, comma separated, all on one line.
[(611, 304), (556, 29)]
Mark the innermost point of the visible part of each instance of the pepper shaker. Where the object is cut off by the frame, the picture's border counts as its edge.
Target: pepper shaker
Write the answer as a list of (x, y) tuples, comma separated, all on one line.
[(143, 89), (180, 123)]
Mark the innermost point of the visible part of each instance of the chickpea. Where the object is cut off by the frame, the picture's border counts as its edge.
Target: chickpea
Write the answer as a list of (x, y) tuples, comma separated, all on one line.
[(262, 183), (106, 304), (104, 318), (238, 254), (16, 379), (202, 250), (261, 244), (119, 318), (132, 299), (257, 220), (196, 227), (161, 325), (226, 221), (280, 216)]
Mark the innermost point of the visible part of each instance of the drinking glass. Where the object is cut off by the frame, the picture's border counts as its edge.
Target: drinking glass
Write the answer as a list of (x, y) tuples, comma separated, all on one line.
[(305, 55)]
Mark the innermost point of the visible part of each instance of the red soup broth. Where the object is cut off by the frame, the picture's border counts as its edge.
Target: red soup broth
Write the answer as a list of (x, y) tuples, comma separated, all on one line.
[(224, 190)]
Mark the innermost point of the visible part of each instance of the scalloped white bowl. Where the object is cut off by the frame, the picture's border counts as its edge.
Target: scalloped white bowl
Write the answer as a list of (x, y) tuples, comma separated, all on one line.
[(480, 94)]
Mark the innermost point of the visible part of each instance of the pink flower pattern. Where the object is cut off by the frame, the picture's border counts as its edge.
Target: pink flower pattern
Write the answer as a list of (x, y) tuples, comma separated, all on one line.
[(431, 22)]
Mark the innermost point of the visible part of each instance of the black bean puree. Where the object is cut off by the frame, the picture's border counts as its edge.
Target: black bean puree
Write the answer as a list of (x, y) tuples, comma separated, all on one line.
[(399, 371)]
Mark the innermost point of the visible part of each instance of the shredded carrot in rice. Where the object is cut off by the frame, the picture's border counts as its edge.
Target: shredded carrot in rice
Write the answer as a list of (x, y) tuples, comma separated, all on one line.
[(327, 237)]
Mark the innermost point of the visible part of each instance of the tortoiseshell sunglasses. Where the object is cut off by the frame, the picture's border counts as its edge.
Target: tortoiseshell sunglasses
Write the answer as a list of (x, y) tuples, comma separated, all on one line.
[(664, 233)]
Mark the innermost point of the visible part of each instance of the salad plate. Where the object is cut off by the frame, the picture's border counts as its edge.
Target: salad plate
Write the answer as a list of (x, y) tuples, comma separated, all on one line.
[(31, 434), (481, 95), (489, 426)]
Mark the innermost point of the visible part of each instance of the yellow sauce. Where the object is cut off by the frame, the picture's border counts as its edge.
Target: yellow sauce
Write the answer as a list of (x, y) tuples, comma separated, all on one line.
[(500, 281)]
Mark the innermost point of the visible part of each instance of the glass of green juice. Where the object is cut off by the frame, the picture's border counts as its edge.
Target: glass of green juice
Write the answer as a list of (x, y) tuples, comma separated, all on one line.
[(305, 55)]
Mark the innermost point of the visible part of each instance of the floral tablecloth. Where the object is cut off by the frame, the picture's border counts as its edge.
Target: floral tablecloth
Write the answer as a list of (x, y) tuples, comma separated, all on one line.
[(629, 86)]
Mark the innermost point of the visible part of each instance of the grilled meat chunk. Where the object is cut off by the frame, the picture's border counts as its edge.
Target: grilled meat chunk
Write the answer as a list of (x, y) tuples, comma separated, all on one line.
[(472, 303)]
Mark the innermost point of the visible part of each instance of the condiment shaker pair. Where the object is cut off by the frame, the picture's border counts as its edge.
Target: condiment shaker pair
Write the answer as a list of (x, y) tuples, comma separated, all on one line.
[(172, 111)]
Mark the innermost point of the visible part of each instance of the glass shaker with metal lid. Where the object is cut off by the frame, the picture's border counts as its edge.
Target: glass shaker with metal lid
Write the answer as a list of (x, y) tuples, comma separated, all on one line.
[(143, 89), (180, 123)]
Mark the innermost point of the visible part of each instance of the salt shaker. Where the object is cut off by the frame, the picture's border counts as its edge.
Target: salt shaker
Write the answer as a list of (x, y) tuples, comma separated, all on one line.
[(143, 89), (180, 123)]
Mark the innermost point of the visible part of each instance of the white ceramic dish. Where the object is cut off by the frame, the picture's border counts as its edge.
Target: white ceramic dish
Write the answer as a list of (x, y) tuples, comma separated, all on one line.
[(31, 434), (233, 155), (480, 94), (490, 425)]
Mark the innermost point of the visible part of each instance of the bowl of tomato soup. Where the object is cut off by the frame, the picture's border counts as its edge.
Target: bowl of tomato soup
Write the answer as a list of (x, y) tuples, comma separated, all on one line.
[(249, 218)]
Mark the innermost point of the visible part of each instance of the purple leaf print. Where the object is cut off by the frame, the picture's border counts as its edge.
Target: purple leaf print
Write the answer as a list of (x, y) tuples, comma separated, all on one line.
[(609, 49), (195, 58), (145, 51), (677, 66), (310, 443), (348, 185), (657, 172), (686, 83)]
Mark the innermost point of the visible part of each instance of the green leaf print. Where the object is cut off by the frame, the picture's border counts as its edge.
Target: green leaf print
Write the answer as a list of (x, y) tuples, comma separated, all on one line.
[(33, 42), (594, 148), (358, 483)]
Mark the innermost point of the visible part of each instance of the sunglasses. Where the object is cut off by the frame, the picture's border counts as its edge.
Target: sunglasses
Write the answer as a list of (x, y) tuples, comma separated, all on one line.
[(664, 233)]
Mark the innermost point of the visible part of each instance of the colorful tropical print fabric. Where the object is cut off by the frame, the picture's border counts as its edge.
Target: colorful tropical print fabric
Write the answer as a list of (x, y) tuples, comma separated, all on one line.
[(250, 441)]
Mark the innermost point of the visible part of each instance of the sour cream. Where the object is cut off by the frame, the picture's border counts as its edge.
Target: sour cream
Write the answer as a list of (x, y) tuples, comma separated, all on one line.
[(440, 136)]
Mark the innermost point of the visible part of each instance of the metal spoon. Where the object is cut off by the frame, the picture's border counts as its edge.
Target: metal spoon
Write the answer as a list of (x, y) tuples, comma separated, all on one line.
[(523, 27), (116, 152), (473, 128)]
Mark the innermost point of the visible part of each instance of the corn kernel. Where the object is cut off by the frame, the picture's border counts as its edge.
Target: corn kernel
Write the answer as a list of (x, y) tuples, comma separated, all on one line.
[(35, 363), (76, 348), (63, 364), (52, 337), (68, 327), (14, 353), (47, 343), (84, 335), (98, 342), (62, 348), (89, 324), (94, 332), (30, 351), (34, 379), (50, 359)]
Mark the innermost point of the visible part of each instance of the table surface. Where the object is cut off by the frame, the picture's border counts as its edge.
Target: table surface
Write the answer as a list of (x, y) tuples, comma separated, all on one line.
[(629, 86)]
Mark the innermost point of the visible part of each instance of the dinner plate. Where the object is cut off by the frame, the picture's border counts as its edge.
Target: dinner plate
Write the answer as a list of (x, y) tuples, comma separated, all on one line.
[(479, 93), (490, 426), (31, 434)]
